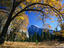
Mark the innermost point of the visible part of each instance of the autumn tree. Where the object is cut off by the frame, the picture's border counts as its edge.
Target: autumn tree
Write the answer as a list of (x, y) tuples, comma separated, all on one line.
[(19, 24), (46, 7)]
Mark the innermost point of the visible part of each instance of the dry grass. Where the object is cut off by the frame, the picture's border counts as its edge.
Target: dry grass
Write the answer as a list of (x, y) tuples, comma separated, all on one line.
[(45, 44)]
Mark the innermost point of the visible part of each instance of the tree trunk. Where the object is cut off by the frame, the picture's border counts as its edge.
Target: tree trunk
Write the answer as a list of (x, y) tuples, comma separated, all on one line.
[(5, 28), (4, 31)]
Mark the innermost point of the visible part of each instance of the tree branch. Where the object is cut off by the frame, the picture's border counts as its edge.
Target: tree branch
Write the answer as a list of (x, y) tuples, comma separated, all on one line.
[(14, 6), (4, 11), (13, 3), (38, 4), (58, 14), (19, 3), (44, 5), (27, 10)]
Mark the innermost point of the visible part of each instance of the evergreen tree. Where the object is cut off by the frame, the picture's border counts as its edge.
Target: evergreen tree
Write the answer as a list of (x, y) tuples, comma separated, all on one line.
[(38, 37), (34, 38), (42, 36)]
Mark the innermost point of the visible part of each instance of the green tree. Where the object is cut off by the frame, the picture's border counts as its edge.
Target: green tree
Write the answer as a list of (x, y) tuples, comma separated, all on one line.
[(42, 36), (38, 38), (34, 37)]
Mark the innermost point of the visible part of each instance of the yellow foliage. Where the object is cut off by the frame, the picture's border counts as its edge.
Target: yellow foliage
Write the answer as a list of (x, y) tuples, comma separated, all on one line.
[(46, 9), (12, 26), (57, 33), (21, 17), (62, 12), (56, 15), (28, 0), (49, 26), (23, 5), (21, 22), (45, 1), (33, 1), (46, 12), (62, 31), (56, 3), (52, 21), (51, 18), (38, 0), (53, 0)]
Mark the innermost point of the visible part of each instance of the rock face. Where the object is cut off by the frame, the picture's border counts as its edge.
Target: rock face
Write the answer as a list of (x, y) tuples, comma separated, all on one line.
[(32, 29)]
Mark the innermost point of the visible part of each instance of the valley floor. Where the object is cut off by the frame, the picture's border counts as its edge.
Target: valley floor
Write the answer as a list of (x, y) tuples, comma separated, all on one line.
[(45, 44)]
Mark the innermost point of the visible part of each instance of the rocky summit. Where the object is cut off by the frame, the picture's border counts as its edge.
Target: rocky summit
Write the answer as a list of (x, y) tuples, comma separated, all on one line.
[(32, 29)]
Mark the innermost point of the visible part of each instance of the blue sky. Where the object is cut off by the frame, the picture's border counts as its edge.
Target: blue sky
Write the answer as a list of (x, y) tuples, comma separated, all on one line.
[(33, 20), (63, 2)]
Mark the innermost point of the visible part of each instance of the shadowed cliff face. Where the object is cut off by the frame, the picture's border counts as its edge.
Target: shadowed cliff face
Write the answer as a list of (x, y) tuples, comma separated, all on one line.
[(32, 29)]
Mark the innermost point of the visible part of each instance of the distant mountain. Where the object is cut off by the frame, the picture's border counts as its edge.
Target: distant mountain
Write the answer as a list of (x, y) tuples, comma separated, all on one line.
[(33, 28)]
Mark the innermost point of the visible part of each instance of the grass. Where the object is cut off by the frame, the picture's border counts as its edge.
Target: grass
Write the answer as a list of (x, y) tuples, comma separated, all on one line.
[(45, 44)]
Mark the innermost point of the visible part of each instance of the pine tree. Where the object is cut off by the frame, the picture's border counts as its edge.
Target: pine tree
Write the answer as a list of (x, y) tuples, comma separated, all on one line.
[(34, 38), (42, 36)]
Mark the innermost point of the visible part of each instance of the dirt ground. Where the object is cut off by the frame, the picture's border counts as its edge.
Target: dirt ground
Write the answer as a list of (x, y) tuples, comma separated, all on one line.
[(45, 44)]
